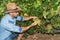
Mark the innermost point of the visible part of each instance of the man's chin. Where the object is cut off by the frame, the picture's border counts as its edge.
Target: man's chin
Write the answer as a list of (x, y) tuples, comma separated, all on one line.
[(15, 16)]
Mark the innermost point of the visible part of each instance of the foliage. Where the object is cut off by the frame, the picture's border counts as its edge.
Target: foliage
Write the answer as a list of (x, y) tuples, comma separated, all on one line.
[(47, 11)]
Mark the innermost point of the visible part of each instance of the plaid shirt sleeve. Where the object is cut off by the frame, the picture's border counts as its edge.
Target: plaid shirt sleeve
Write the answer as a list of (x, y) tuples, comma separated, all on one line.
[(8, 25), (19, 18)]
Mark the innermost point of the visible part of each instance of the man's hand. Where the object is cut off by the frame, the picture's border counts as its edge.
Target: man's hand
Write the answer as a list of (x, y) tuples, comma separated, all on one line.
[(28, 27), (33, 24)]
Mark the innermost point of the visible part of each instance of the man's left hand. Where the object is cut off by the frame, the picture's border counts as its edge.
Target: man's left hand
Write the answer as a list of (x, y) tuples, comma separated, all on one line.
[(34, 17)]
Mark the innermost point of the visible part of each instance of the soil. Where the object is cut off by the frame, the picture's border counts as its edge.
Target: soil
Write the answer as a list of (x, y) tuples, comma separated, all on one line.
[(39, 36)]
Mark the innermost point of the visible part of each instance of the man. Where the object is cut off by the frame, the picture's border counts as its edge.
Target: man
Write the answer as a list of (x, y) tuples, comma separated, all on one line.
[(7, 25)]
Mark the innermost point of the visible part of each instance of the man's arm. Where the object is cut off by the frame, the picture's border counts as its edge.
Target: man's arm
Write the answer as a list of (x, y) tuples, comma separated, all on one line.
[(6, 24), (28, 27), (28, 18), (25, 18), (9, 26)]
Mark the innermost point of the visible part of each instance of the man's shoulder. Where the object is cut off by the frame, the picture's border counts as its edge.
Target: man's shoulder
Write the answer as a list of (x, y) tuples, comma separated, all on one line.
[(6, 17)]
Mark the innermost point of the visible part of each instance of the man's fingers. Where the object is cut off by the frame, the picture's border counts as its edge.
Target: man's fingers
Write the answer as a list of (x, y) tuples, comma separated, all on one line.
[(35, 17)]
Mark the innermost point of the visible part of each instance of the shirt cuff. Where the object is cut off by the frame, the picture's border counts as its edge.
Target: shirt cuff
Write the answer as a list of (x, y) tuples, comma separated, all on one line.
[(22, 18), (20, 30)]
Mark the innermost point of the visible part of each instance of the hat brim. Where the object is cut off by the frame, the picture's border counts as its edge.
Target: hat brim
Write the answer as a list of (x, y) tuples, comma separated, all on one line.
[(14, 10)]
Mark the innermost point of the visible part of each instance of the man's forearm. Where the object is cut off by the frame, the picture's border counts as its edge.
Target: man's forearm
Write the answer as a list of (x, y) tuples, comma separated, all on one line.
[(27, 18), (26, 28)]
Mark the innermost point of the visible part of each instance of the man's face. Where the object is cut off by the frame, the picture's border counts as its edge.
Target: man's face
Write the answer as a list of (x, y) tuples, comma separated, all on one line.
[(14, 14)]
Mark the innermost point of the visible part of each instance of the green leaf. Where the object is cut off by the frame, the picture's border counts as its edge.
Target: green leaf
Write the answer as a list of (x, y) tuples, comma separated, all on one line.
[(45, 14), (37, 3)]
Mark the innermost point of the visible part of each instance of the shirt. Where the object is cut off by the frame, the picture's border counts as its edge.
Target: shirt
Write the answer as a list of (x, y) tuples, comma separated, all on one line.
[(8, 25)]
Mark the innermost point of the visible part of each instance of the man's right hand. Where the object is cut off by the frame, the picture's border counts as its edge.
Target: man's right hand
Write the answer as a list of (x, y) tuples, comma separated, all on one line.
[(34, 24), (26, 28)]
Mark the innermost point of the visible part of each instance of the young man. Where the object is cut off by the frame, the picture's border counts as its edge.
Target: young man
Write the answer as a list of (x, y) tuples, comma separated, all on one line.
[(7, 25)]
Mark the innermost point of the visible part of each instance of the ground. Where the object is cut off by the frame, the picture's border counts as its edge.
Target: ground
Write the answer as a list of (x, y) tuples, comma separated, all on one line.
[(39, 36)]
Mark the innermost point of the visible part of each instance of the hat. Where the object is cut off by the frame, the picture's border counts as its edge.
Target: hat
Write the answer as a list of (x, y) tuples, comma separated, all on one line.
[(12, 7)]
